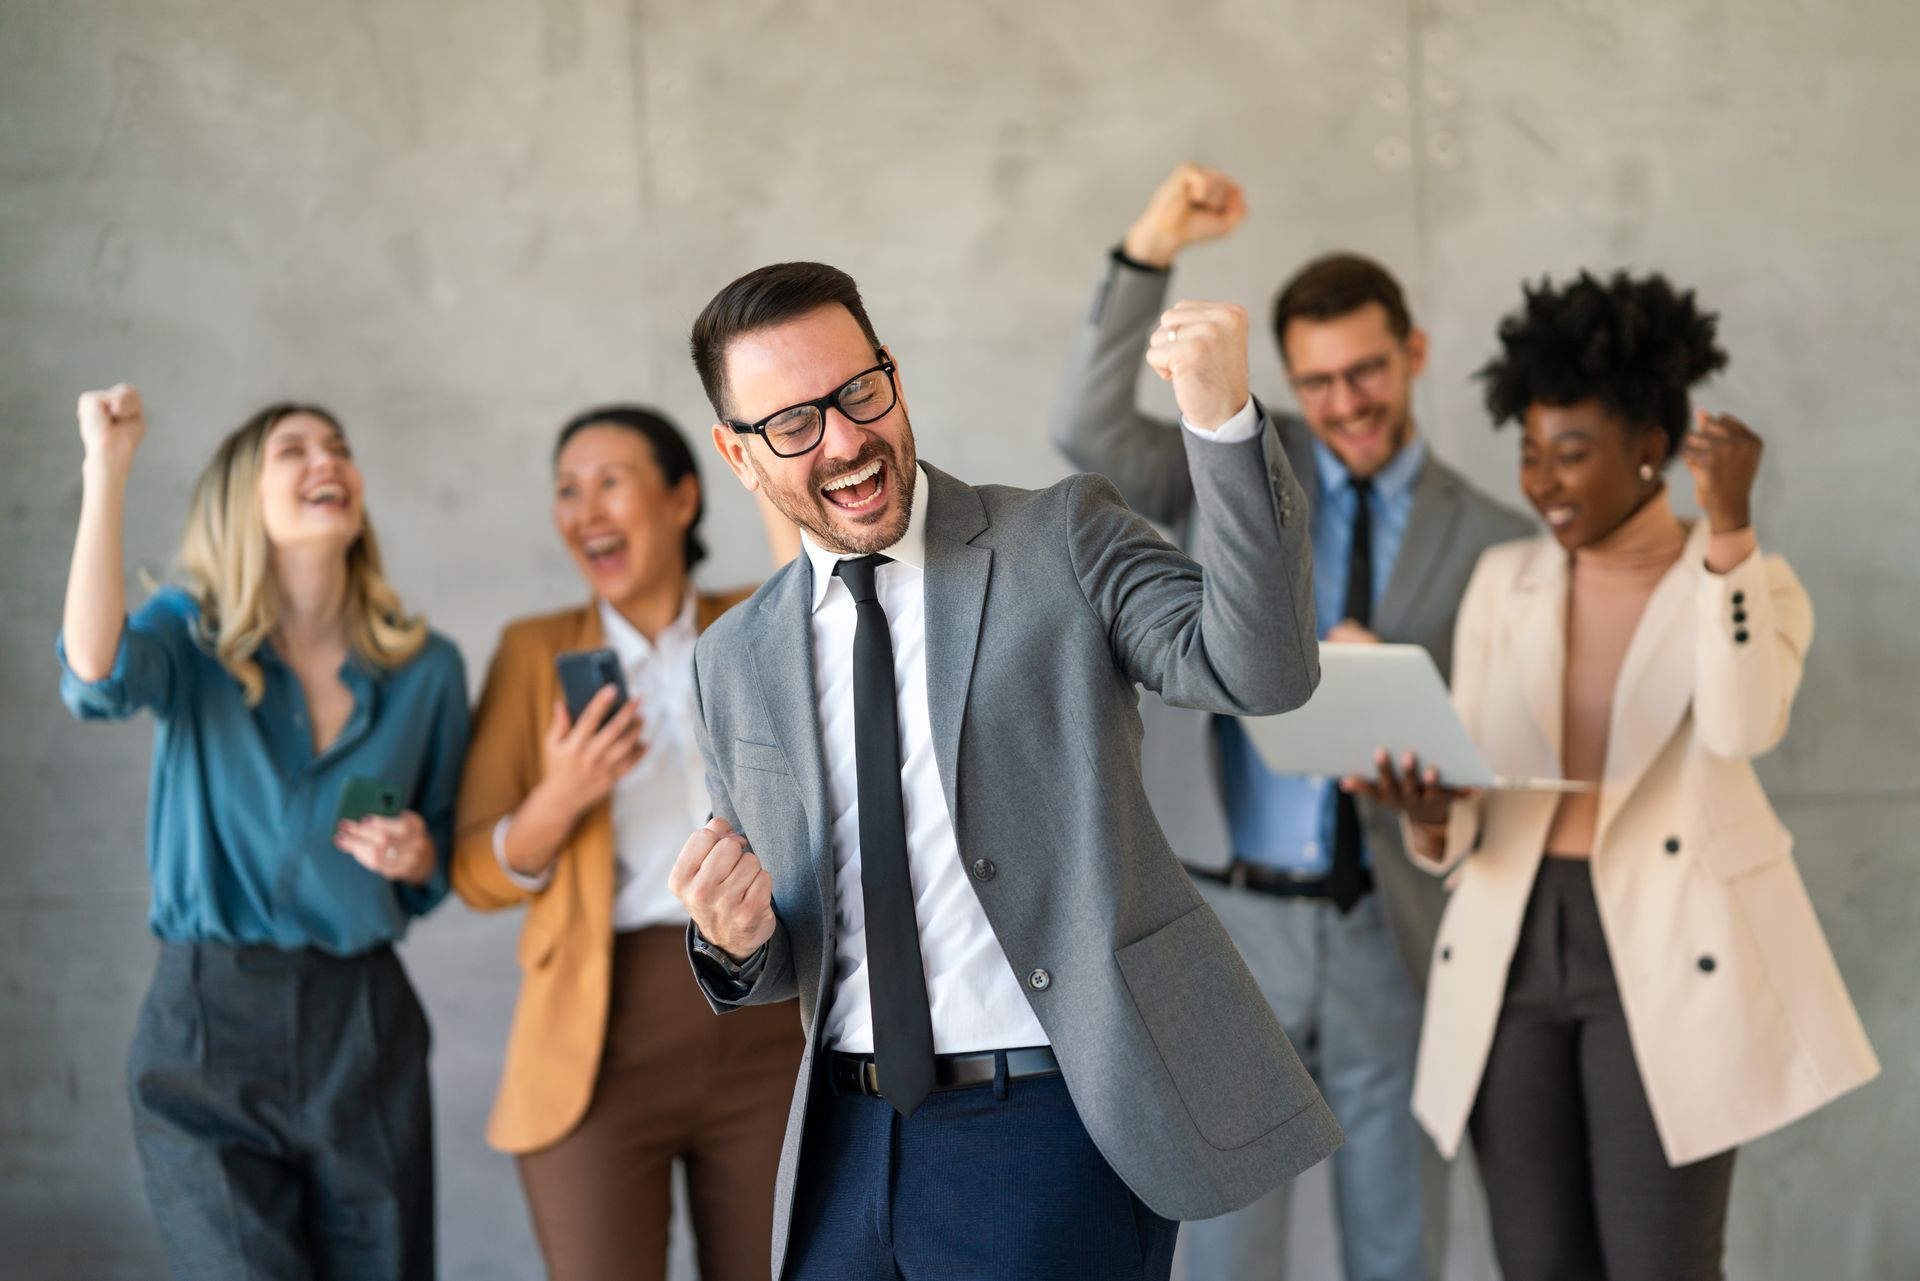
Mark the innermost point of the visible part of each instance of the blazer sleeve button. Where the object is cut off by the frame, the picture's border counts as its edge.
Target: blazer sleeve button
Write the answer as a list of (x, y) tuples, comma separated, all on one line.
[(1739, 598), (1740, 637), (1707, 964), (1673, 845)]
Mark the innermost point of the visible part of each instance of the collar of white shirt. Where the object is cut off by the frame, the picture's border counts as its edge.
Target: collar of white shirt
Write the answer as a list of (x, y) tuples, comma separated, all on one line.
[(626, 641), (910, 550)]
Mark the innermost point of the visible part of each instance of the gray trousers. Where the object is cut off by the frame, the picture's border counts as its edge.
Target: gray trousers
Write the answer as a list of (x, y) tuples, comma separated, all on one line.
[(281, 1110), (1578, 1186), (1343, 995)]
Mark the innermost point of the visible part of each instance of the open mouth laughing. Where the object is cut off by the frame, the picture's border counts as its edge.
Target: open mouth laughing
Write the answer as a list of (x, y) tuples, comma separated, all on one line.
[(859, 491)]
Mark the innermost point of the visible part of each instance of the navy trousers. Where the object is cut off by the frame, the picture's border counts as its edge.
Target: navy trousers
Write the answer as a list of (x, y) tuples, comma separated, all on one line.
[(281, 1109), (996, 1182)]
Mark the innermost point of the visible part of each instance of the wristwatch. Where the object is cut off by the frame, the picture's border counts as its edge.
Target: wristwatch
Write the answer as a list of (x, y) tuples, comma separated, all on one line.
[(721, 967)]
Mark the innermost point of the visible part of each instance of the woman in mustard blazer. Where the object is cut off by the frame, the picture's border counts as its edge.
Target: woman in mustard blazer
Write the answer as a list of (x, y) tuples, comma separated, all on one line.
[(1629, 982), (616, 1068)]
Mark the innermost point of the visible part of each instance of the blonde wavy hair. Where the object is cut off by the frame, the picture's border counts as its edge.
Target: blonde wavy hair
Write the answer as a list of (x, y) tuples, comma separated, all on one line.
[(225, 564)]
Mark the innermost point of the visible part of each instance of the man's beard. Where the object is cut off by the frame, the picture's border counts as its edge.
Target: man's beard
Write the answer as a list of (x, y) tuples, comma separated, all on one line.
[(813, 513)]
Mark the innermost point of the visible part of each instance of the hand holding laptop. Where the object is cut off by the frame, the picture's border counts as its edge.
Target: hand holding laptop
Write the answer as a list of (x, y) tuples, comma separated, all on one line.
[(1418, 793)]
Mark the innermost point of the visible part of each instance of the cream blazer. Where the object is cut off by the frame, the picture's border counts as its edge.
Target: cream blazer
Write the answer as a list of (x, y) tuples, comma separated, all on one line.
[(1739, 1019)]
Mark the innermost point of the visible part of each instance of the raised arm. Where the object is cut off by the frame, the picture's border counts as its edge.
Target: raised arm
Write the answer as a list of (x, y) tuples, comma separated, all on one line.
[(1095, 421), (1755, 620), (1237, 636), (112, 425), (111, 666)]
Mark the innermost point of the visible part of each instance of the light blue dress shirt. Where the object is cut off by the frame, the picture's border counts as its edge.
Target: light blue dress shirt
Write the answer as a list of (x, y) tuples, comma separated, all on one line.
[(1286, 821), (240, 814)]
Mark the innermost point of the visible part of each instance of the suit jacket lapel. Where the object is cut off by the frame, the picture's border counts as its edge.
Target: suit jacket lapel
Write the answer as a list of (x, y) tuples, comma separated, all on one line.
[(782, 641), (956, 597), (1436, 509), (1537, 624), (1654, 691)]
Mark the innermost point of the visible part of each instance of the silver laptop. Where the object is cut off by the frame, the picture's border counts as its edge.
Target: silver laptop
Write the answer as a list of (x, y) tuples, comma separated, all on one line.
[(1374, 696)]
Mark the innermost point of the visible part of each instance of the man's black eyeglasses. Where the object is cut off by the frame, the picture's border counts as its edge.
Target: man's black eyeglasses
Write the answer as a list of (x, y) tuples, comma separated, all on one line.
[(866, 397)]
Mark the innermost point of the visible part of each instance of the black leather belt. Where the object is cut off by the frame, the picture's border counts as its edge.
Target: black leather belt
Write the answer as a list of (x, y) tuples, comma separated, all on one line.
[(856, 1074), (1241, 875)]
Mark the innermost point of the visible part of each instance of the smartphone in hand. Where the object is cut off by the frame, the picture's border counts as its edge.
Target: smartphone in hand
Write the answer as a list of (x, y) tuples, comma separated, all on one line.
[(367, 797), (583, 673)]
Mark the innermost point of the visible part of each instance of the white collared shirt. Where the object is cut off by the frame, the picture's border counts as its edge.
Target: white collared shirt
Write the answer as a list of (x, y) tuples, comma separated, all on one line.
[(664, 796), (976, 1000)]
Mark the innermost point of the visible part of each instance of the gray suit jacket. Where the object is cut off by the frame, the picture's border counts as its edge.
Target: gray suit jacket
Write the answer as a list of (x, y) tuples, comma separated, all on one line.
[(1045, 610), (1097, 425)]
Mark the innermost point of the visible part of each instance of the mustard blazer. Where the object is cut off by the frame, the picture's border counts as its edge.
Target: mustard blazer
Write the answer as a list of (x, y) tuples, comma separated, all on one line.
[(566, 940), (1739, 1019)]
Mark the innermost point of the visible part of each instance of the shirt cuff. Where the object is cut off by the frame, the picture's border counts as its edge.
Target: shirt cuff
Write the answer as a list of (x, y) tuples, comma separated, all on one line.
[(1243, 426), (531, 884), (1725, 552)]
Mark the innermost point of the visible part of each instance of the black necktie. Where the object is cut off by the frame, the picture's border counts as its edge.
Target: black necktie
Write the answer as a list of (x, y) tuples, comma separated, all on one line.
[(896, 980), (1348, 879)]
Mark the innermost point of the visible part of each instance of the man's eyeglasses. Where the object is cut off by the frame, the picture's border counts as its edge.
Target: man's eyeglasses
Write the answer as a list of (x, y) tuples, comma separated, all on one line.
[(866, 397), (1367, 378)]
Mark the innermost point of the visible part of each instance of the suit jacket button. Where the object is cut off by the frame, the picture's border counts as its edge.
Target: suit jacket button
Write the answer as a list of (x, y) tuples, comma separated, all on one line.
[(1039, 980), (1706, 964), (983, 869), (1740, 637), (1673, 845)]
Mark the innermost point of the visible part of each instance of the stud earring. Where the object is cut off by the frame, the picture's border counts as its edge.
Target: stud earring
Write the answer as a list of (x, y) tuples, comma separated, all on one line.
[(1646, 471)]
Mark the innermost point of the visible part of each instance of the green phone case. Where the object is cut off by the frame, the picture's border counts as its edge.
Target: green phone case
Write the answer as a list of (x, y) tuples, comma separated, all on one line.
[(362, 797)]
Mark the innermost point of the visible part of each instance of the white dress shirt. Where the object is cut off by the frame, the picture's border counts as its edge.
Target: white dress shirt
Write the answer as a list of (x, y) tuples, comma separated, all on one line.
[(664, 796), (976, 1000)]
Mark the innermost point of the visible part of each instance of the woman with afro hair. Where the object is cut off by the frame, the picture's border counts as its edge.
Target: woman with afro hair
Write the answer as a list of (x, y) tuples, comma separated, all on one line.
[(1629, 981)]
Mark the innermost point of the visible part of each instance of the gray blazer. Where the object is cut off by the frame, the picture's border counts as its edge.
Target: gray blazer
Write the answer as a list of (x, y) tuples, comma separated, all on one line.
[(1045, 610), (1097, 425)]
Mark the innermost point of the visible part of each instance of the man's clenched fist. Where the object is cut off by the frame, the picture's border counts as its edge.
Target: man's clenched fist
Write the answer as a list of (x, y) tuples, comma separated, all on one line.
[(726, 891), (1191, 204), (1201, 348)]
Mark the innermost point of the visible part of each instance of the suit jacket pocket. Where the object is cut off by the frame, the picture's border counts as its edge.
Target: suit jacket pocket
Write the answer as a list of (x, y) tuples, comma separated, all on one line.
[(765, 757), (1218, 1038)]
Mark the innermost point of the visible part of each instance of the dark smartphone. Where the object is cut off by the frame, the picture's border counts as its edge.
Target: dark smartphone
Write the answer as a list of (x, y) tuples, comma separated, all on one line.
[(583, 673), (363, 797)]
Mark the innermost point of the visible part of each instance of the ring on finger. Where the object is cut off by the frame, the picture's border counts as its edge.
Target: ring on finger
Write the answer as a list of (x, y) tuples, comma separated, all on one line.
[(1173, 333), (390, 855)]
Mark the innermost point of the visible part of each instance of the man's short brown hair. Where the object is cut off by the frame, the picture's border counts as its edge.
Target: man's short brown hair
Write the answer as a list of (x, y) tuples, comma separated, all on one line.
[(760, 299), (1338, 285)]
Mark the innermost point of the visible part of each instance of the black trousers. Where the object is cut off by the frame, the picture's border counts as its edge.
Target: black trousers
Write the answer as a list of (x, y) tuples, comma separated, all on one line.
[(1578, 1186), (281, 1110)]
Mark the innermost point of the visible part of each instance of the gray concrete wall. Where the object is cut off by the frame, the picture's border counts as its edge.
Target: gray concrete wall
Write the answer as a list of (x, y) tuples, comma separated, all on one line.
[(457, 222)]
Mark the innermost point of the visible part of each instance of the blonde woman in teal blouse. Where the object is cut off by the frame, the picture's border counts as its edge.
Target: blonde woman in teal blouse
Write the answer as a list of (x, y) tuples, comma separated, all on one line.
[(278, 1074)]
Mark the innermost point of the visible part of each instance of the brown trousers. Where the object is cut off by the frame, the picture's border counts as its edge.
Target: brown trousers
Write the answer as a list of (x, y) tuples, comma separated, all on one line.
[(677, 1082)]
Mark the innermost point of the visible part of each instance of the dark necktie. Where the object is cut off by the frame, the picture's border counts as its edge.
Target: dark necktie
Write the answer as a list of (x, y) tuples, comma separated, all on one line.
[(896, 980), (1348, 881)]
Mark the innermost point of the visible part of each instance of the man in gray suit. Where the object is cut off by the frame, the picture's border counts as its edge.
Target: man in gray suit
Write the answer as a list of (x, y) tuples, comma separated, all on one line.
[(1030, 1045), (1335, 922)]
